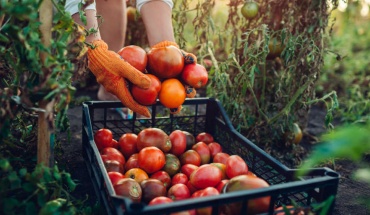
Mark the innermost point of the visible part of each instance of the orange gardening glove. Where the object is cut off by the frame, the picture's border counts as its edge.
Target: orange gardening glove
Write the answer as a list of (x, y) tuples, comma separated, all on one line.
[(111, 71), (189, 57)]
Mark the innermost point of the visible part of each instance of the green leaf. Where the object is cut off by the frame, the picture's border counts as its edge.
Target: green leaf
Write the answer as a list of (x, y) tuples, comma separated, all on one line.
[(9, 204), (31, 208), (22, 172), (28, 187)]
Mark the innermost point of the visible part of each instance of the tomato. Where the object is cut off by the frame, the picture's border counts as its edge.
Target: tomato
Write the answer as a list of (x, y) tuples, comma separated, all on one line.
[(172, 165), (275, 48), (127, 144), (235, 165), (187, 169), (113, 166), (103, 138), (190, 139), (153, 137), (137, 174), (178, 141), (222, 167), (194, 75), (297, 133), (209, 191), (283, 209), (179, 178), (203, 151), (135, 56), (165, 62), (190, 157), (245, 182), (129, 188), (163, 176), (115, 177), (221, 157), (221, 185), (160, 200), (110, 153), (214, 148), (208, 63), (204, 137), (114, 143), (132, 162), (205, 176), (151, 159), (178, 192), (152, 188), (132, 14), (172, 94), (191, 188), (249, 10), (147, 96)]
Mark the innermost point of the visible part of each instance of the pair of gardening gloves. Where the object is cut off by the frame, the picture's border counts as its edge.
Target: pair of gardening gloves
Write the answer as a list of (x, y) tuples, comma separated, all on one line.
[(113, 72)]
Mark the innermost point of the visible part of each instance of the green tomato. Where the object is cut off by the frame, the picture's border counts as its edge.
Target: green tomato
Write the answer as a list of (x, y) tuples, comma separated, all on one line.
[(57, 207), (249, 9)]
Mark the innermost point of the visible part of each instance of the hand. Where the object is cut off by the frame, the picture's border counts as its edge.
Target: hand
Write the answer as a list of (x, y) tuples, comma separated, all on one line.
[(189, 57), (111, 71)]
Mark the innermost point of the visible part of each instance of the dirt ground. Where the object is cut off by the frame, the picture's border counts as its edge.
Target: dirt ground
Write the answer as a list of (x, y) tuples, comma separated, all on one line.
[(349, 190)]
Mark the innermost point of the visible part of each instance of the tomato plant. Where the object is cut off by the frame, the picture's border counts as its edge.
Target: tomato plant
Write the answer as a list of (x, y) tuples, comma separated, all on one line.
[(147, 96), (172, 94)]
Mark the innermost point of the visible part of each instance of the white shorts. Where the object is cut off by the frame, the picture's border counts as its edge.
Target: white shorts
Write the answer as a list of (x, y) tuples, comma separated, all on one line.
[(71, 6)]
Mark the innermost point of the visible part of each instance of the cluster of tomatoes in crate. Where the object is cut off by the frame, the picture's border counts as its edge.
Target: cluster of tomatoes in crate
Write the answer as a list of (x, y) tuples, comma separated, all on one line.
[(158, 168), (172, 80)]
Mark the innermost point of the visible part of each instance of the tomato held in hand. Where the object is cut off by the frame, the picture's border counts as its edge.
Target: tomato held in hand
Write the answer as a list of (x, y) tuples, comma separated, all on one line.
[(165, 62), (151, 159), (147, 96), (103, 138), (135, 56), (172, 94), (194, 75)]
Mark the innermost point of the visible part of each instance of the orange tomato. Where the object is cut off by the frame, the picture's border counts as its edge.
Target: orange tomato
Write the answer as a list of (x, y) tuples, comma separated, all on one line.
[(172, 94), (137, 174)]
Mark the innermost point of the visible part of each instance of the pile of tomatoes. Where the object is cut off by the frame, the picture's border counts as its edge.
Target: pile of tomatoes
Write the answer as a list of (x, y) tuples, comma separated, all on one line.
[(158, 168), (172, 81)]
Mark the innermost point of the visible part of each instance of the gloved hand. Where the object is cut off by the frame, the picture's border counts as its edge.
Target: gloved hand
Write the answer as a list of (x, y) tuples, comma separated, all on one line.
[(189, 57), (111, 71)]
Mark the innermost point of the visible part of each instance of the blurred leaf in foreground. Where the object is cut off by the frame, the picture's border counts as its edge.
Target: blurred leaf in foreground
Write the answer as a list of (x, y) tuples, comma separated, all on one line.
[(350, 142)]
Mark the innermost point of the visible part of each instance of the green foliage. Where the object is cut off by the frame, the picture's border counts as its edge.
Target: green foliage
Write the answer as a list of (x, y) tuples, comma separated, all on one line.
[(27, 192)]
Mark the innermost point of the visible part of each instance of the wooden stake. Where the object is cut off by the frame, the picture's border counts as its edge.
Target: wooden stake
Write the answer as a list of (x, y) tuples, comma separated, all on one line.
[(44, 149)]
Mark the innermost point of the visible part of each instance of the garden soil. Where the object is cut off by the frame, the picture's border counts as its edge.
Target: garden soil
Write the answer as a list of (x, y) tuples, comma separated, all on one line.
[(348, 199)]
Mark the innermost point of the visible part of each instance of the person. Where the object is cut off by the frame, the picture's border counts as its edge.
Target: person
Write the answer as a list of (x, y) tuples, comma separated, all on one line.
[(110, 71)]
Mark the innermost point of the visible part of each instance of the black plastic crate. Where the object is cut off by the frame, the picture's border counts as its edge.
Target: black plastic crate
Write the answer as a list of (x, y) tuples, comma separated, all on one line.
[(201, 115)]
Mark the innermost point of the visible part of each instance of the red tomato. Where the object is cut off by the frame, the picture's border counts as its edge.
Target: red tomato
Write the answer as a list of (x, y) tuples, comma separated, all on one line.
[(221, 185), (147, 96), (209, 191), (235, 165), (112, 166), (160, 200), (163, 176), (151, 189), (114, 143), (127, 144), (153, 137), (205, 176), (190, 157), (115, 177), (191, 188), (179, 178), (129, 188), (221, 157), (137, 174), (165, 62), (172, 94), (135, 56), (151, 159), (110, 153), (203, 151), (132, 162), (204, 137), (190, 139), (178, 192), (178, 141), (214, 148), (187, 169), (195, 75), (172, 165), (222, 167), (103, 138)]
